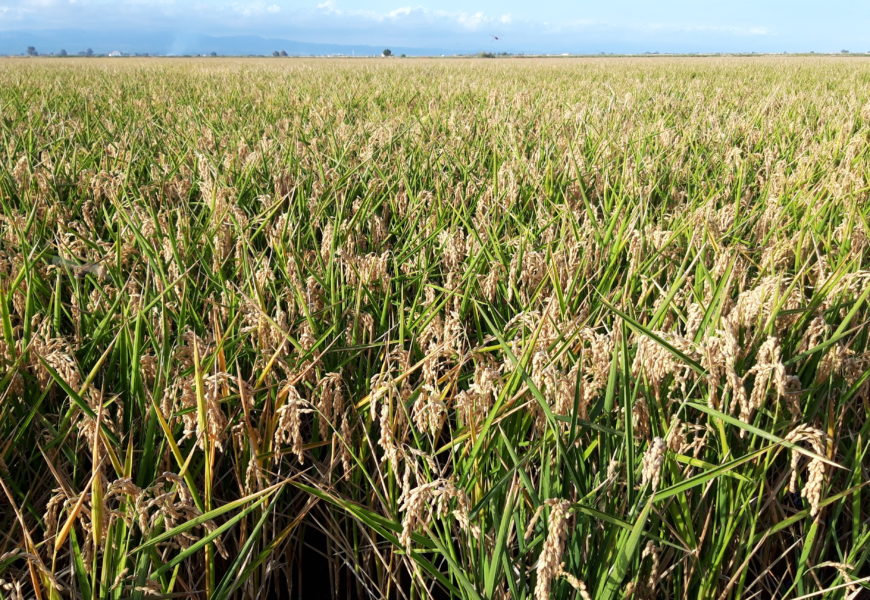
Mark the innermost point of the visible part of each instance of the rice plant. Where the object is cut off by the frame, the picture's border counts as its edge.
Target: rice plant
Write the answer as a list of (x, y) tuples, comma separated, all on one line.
[(513, 329)]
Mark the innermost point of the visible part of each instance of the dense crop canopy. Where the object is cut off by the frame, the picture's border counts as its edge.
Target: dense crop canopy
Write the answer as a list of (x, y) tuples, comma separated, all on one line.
[(517, 329)]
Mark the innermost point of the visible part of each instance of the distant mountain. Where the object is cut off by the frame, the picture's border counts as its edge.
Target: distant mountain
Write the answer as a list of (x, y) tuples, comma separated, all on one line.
[(177, 44)]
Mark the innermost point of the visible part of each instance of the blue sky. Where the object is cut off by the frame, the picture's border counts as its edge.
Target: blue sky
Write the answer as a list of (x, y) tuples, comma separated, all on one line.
[(472, 25)]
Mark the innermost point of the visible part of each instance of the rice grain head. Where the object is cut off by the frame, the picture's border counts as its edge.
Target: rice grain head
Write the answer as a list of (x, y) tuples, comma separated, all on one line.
[(816, 469), (549, 564)]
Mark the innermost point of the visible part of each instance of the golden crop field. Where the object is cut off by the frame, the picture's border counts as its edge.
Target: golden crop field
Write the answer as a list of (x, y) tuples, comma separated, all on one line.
[(406, 328)]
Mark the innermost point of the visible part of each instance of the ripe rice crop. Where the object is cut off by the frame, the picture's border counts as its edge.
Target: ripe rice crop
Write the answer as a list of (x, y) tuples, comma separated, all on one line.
[(508, 329)]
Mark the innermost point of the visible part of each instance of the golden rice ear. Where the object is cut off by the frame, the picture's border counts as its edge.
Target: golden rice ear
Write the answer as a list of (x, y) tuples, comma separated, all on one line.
[(653, 459), (425, 502), (288, 427), (816, 469), (549, 564)]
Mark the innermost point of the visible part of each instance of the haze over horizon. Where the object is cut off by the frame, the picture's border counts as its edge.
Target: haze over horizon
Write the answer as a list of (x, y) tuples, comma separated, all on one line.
[(451, 26)]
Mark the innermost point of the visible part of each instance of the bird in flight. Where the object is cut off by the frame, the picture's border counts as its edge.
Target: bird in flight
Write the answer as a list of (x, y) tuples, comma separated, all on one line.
[(495, 37)]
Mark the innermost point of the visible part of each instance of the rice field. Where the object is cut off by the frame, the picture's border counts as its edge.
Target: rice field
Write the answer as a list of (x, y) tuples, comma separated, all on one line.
[(476, 329)]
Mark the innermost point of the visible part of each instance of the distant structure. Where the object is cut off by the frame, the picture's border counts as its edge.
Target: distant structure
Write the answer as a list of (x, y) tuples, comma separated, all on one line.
[(114, 53)]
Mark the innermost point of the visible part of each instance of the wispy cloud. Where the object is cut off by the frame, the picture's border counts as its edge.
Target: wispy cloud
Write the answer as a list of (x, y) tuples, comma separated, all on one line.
[(417, 15), (726, 29), (255, 9)]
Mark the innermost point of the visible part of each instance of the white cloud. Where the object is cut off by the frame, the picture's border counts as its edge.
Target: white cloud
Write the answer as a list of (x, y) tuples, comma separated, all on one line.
[(329, 7), (472, 21), (400, 12), (419, 15), (254, 9)]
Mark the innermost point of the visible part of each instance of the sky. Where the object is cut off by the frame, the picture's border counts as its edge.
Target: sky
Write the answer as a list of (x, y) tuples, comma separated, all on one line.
[(475, 25)]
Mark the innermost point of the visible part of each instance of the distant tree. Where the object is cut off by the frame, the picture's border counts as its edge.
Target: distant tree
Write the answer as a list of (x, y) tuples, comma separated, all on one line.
[(212, 54), (89, 52), (275, 53), (62, 52), (403, 55), (31, 51), (387, 52), (283, 53), (844, 51)]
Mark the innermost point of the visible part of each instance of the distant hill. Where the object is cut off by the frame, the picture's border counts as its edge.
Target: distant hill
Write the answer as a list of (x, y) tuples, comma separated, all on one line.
[(177, 44)]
